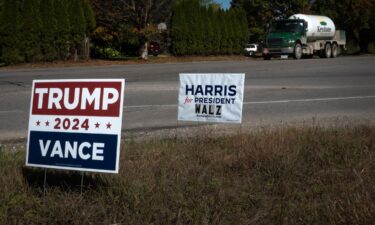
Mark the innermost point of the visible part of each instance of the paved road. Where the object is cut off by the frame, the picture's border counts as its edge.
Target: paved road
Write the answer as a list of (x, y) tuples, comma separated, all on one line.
[(277, 91)]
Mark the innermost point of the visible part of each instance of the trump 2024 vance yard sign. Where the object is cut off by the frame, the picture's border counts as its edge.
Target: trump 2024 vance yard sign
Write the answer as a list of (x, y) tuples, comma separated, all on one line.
[(211, 97), (76, 124)]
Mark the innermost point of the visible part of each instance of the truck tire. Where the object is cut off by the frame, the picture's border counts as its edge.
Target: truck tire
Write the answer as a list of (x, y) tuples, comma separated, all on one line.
[(327, 52), (334, 50), (297, 53)]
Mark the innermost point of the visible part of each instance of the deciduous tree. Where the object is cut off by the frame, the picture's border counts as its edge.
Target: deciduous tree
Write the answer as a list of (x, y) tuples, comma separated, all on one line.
[(356, 17), (260, 13)]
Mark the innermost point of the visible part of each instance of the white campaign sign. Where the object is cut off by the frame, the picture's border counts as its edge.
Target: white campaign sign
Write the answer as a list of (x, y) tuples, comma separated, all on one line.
[(76, 124), (211, 97)]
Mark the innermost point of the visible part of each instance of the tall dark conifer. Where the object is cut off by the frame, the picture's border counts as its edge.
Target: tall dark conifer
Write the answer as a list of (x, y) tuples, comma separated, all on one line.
[(48, 29), (89, 16), (77, 25), (62, 29), (218, 32), (225, 42), (245, 34), (30, 31), (90, 26), (207, 29), (209, 32), (179, 30), (9, 32)]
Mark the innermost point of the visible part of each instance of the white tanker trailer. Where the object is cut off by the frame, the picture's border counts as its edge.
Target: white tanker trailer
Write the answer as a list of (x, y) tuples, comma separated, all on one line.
[(305, 35)]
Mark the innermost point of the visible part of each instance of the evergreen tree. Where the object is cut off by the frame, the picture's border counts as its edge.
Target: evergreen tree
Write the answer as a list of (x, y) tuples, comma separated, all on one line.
[(9, 32), (201, 32), (224, 42), (204, 30), (90, 26), (89, 16), (231, 31), (236, 32), (30, 31), (192, 29), (209, 32), (48, 29), (179, 30), (1, 44), (62, 28), (218, 33), (244, 29), (77, 25), (176, 30)]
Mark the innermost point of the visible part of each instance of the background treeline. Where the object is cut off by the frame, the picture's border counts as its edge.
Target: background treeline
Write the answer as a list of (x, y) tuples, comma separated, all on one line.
[(47, 30), (197, 29), (44, 30)]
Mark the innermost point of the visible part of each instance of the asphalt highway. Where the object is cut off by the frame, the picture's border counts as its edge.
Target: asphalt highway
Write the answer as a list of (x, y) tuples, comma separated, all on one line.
[(276, 91)]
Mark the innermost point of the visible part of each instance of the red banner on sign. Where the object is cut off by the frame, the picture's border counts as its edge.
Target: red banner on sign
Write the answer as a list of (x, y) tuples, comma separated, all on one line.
[(77, 98)]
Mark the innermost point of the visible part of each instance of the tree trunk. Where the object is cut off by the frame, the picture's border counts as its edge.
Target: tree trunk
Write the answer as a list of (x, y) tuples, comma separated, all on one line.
[(364, 40), (144, 54), (86, 45), (75, 55)]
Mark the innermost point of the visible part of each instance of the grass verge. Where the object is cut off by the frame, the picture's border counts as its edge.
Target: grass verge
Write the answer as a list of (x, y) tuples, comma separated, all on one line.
[(124, 61), (289, 175)]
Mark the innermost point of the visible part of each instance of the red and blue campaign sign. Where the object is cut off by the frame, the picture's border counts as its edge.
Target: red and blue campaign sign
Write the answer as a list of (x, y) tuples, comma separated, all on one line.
[(76, 124)]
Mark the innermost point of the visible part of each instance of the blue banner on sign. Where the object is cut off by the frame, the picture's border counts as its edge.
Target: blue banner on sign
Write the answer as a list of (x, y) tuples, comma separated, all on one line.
[(73, 150)]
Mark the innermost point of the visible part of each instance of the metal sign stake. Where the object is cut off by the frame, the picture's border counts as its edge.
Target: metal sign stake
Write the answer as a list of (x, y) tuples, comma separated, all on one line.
[(176, 134), (81, 182), (241, 136), (45, 181)]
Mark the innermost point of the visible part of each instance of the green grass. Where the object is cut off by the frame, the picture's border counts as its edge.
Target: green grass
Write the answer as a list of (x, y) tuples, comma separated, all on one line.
[(289, 175)]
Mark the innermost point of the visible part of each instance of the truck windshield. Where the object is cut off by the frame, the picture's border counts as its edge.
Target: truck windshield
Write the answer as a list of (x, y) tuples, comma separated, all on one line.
[(286, 26)]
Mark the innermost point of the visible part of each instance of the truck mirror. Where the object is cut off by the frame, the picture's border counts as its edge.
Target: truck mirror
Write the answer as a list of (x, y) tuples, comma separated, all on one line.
[(305, 25)]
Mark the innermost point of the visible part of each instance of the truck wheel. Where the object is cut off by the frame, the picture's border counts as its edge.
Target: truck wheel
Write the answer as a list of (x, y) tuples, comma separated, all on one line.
[(334, 50), (327, 50), (297, 51)]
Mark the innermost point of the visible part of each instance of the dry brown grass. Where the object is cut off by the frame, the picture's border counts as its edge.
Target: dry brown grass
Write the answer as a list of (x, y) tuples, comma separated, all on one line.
[(289, 175)]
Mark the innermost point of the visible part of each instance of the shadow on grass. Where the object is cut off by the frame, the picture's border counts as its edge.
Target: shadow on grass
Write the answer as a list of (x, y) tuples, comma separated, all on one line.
[(62, 180)]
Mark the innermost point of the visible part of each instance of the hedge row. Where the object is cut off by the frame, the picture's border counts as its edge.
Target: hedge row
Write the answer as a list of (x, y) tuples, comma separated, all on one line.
[(200, 30), (43, 30)]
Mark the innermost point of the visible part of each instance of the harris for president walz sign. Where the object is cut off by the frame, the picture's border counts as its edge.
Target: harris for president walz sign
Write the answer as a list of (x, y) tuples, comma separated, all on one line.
[(211, 97), (76, 124)]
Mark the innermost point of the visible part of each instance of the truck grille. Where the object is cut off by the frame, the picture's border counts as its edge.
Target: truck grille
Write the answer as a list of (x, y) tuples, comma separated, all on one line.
[(275, 41)]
